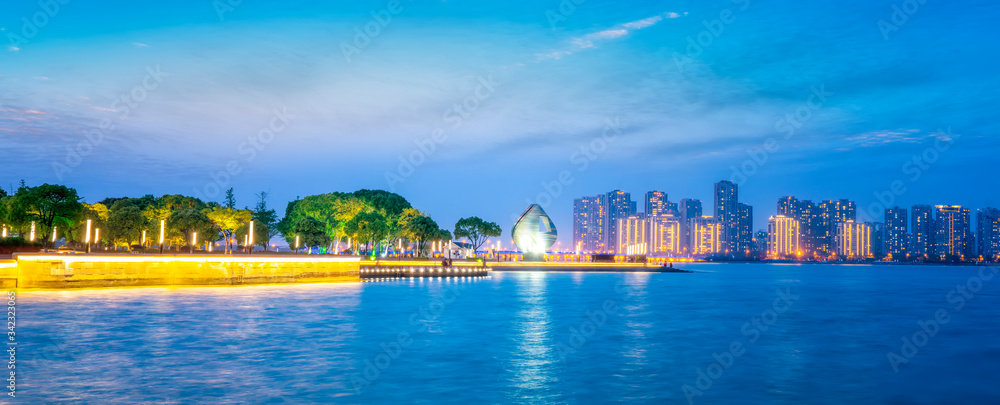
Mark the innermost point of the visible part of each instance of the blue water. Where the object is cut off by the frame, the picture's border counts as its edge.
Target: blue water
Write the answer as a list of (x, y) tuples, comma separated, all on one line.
[(570, 338)]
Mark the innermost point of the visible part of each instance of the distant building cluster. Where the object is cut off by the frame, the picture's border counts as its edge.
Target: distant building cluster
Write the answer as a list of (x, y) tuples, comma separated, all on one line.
[(800, 229), (611, 223)]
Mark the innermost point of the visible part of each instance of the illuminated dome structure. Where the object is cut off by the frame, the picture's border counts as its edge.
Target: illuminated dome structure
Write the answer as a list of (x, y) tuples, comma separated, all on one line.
[(534, 233)]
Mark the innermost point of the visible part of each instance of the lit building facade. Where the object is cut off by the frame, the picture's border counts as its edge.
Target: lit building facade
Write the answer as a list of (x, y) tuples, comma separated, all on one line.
[(666, 234), (988, 230), (689, 209), (922, 230), (783, 237), (744, 241), (832, 213), (633, 235), (811, 226), (588, 223), (619, 205), (853, 240), (705, 236), (896, 237), (655, 203), (953, 230), (727, 214)]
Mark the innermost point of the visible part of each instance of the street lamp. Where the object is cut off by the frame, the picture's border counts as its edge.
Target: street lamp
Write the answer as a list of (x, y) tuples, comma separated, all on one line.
[(296, 243), (194, 241), (250, 240), (97, 237), (86, 239), (163, 226)]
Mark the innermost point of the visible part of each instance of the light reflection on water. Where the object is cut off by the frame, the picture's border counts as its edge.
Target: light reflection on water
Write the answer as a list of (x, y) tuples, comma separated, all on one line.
[(497, 340)]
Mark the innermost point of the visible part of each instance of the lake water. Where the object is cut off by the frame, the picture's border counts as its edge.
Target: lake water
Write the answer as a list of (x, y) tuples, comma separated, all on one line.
[(730, 333)]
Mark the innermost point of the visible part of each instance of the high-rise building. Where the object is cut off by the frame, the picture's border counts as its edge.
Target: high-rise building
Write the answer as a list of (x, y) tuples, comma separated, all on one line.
[(877, 239), (727, 214), (832, 213), (853, 240), (672, 209), (633, 235), (988, 230), (790, 207), (588, 223), (744, 238), (645, 235), (896, 238), (666, 235), (812, 229), (953, 229), (689, 209), (655, 203), (619, 205), (783, 237), (761, 240), (705, 236), (922, 230)]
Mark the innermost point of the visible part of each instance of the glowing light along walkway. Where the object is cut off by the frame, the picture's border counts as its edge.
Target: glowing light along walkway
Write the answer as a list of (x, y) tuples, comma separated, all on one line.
[(418, 272)]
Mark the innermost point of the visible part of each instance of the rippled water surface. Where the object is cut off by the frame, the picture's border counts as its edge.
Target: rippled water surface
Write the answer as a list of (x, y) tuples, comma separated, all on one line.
[(515, 337)]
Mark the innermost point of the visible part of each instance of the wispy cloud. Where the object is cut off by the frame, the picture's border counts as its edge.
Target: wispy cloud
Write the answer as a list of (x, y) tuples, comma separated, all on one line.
[(140, 44), (887, 137), (13, 48), (591, 40)]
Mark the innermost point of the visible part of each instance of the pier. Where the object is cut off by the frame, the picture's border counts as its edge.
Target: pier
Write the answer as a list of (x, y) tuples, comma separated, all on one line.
[(397, 271)]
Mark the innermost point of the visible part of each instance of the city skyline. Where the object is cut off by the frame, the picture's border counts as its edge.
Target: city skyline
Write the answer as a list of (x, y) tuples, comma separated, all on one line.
[(795, 229)]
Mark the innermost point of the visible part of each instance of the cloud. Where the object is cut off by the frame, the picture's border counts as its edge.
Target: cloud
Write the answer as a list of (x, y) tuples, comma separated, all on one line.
[(591, 40), (13, 48), (888, 137), (140, 44)]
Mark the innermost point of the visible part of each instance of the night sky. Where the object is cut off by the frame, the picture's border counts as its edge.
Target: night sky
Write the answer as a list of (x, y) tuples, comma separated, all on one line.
[(492, 104)]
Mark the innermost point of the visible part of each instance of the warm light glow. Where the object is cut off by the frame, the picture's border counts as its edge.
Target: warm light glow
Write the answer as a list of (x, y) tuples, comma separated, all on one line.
[(86, 239), (69, 259), (97, 235), (296, 242), (32, 231), (250, 236), (54, 229), (143, 238), (194, 238), (163, 227)]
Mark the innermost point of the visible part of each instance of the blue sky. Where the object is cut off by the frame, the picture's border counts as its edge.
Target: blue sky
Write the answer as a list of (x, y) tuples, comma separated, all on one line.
[(686, 115)]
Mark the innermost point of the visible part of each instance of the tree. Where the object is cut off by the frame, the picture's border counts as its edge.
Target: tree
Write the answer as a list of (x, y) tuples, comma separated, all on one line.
[(266, 221), (369, 227), (423, 229), (476, 230), (230, 201), (228, 220), (49, 205), (311, 232), (125, 223), (189, 221)]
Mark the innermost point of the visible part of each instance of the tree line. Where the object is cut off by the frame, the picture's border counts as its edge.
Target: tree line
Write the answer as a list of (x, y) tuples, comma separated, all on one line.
[(364, 221)]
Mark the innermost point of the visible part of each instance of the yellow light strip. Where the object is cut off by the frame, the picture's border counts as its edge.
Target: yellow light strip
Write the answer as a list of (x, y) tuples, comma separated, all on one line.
[(189, 259)]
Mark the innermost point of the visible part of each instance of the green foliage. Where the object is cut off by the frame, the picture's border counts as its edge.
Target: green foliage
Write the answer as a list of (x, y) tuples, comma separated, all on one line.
[(125, 223), (476, 230), (265, 221), (367, 227), (228, 220), (423, 229), (188, 221), (230, 201), (48, 205), (311, 232)]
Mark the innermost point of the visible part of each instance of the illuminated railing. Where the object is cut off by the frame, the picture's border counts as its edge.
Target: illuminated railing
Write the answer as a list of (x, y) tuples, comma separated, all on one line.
[(376, 273)]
